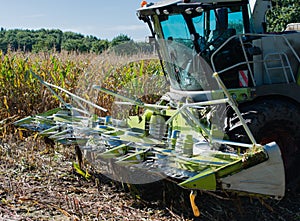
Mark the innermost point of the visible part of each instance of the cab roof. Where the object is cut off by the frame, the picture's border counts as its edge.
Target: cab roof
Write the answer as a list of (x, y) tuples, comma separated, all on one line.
[(149, 8)]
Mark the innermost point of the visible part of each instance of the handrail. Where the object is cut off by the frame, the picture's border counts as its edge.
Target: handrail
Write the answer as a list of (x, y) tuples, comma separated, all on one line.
[(247, 62)]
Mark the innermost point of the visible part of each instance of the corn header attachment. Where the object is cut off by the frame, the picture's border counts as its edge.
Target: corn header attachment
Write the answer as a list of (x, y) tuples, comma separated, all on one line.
[(167, 140)]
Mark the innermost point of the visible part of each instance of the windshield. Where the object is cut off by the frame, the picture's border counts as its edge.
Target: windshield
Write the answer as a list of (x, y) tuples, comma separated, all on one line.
[(175, 28), (190, 37)]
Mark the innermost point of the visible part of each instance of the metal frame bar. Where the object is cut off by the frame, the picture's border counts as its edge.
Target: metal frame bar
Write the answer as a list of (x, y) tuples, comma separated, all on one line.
[(74, 96), (247, 62)]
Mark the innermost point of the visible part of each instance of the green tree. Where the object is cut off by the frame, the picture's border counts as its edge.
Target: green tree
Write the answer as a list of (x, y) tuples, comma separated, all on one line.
[(119, 40), (54, 39), (11, 39), (3, 42), (282, 13), (71, 44), (126, 48), (99, 46), (57, 37)]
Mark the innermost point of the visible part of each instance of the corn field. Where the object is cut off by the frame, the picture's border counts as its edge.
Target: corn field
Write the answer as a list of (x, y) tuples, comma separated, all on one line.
[(37, 181), (22, 94), (36, 178)]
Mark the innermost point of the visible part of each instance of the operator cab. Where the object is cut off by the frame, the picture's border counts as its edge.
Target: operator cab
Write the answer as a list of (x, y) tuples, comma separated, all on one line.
[(189, 32)]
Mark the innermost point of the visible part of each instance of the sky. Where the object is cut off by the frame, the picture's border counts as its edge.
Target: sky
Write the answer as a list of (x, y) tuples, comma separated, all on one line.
[(100, 18)]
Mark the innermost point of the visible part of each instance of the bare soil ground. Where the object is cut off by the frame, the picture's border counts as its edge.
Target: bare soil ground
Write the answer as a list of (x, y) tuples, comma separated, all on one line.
[(37, 182)]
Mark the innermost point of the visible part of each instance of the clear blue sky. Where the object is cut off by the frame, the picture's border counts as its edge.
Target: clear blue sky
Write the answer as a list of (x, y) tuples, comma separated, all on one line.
[(100, 18)]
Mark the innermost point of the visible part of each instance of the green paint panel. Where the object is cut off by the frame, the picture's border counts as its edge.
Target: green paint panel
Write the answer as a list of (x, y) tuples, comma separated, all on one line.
[(202, 181), (50, 131), (140, 139), (135, 122), (115, 152), (240, 94), (133, 158)]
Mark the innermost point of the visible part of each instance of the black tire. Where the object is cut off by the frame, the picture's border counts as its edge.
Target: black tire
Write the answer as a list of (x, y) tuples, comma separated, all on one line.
[(272, 120)]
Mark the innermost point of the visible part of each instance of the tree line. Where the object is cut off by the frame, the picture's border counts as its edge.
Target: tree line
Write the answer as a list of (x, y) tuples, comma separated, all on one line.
[(282, 13), (57, 40)]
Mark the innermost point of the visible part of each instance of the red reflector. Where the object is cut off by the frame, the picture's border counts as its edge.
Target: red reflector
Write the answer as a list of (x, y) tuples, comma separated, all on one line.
[(143, 3), (243, 78)]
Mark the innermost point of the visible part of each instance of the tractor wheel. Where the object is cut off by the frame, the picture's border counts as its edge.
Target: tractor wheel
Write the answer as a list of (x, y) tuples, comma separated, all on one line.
[(272, 120)]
